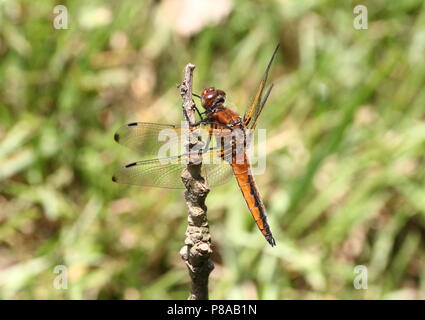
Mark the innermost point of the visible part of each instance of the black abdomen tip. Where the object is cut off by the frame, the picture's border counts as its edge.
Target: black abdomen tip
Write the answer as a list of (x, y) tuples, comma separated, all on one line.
[(270, 240)]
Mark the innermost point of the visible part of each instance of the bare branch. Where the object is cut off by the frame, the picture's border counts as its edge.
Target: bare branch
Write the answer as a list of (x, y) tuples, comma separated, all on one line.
[(197, 249)]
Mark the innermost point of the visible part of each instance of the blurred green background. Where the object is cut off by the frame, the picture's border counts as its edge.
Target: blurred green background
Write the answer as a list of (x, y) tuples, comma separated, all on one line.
[(345, 177)]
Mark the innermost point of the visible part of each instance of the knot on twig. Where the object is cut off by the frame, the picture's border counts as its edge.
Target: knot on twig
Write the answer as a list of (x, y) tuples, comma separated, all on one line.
[(196, 185), (199, 252), (197, 216), (197, 259), (195, 234)]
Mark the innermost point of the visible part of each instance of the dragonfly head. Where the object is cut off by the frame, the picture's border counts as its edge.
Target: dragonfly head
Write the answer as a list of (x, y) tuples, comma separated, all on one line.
[(210, 97)]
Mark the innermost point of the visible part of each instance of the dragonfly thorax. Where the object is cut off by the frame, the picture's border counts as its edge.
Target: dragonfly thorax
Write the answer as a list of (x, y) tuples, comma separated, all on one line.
[(210, 97)]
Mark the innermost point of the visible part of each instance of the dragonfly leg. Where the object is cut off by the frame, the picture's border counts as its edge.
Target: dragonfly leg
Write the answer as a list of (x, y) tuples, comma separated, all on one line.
[(197, 110), (199, 114), (198, 123)]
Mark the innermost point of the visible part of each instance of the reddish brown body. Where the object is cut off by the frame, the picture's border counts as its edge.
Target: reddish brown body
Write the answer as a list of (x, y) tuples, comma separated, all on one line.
[(221, 117)]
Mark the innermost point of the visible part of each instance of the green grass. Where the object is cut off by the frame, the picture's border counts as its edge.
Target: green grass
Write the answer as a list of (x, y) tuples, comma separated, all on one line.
[(345, 177)]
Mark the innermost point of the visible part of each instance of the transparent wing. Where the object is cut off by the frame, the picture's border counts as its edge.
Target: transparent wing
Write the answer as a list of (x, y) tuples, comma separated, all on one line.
[(217, 174), (149, 138), (254, 109), (166, 173), (258, 110)]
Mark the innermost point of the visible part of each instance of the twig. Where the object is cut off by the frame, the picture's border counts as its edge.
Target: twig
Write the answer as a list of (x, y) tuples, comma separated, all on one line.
[(197, 249)]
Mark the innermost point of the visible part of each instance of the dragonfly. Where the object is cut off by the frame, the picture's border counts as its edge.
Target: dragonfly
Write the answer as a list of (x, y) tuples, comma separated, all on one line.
[(219, 122)]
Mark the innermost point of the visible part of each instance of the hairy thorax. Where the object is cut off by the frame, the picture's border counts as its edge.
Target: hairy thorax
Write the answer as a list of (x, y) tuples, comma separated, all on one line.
[(225, 117)]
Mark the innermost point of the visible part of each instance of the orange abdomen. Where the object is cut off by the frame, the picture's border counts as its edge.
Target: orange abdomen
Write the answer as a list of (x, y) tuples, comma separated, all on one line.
[(252, 197)]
